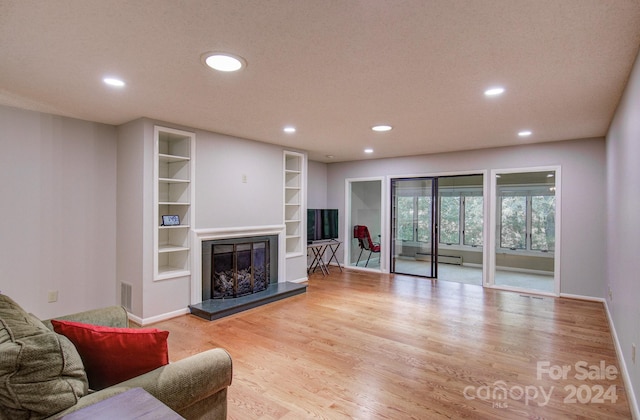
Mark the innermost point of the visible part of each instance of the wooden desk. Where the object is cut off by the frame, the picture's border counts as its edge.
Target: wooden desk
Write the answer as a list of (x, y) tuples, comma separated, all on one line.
[(318, 249), (135, 403)]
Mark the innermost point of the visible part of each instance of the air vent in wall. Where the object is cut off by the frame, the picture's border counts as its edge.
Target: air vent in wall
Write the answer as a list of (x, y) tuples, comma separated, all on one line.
[(125, 295)]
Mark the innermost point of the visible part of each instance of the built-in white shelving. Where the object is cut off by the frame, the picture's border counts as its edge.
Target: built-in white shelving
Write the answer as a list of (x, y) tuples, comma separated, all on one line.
[(294, 202), (173, 179)]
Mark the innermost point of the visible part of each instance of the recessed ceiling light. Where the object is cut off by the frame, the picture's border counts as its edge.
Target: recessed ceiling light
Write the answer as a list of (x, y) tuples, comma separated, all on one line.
[(525, 133), (381, 128), (494, 91), (330, 156), (368, 150), (112, 81), (289, 129), (224, 62)]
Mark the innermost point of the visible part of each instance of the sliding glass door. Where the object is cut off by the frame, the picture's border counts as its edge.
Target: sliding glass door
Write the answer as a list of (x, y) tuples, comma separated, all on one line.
[(414, 228)]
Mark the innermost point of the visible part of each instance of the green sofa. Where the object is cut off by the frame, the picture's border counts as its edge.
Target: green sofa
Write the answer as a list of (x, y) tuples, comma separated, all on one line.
[(41, 373)]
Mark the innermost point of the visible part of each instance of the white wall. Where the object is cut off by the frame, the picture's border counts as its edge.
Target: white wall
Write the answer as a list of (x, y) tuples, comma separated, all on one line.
[(222, 198), (623, 224), (130, 210), (58, 201), (317, 185), (583, 185)]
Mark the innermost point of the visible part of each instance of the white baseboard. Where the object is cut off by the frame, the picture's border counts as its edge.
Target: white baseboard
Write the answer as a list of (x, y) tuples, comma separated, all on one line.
[(146, 321), (582, 297), (524, 270), (472, 265), (359, 268), (301, 280), (631, 396)]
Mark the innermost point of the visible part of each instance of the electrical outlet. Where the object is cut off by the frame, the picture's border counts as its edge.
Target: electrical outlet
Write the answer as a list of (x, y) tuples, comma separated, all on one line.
[(52, 296), (610, 294), (244, 178), (633, 353)]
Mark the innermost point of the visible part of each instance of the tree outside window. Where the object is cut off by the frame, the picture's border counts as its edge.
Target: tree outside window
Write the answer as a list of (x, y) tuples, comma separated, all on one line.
[(527, 220), (460, 217), (424, 219), (405, 212), (473, 220), (513, 222), (543, 222), (450, 219)]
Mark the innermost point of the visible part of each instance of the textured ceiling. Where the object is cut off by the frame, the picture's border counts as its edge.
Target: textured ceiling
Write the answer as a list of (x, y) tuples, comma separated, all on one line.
[(331, 68)]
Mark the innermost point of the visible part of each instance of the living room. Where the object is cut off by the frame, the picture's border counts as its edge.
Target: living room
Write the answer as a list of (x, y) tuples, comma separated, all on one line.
[(78, 196)]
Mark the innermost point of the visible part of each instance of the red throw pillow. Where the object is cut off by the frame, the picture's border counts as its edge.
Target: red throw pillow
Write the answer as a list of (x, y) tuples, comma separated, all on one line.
[(112, 355)]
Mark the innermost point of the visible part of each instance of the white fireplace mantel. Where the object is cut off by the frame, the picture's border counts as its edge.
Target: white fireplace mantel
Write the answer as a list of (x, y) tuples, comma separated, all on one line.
[(201, 235)]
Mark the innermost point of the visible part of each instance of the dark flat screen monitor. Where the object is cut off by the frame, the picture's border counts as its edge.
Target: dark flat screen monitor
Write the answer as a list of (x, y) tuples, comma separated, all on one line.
[(322, 224)]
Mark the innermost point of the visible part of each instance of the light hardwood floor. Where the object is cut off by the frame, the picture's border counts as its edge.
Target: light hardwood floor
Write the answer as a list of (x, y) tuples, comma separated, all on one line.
[(369, 346)]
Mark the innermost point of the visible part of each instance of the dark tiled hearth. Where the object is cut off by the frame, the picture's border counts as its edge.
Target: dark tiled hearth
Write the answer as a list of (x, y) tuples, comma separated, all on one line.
[(217, 308)]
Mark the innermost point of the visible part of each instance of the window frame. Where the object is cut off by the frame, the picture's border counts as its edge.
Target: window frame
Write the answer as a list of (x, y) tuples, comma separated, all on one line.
[(415, 217), (462, 193), (528, 191)]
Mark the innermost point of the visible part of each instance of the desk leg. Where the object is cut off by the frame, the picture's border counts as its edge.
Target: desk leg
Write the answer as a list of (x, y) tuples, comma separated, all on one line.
[(323, 266), (314, 261), (317, 262), (333, 255)]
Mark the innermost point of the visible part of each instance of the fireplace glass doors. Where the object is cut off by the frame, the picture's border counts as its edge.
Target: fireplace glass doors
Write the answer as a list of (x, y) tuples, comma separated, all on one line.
[(236, 267)]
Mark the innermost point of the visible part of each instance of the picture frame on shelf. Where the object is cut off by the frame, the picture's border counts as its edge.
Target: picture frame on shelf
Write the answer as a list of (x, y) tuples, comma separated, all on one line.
[(170, 220)]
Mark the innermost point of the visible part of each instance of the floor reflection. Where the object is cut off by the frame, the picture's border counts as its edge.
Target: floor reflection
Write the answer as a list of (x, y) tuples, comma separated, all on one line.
[(473, 275)]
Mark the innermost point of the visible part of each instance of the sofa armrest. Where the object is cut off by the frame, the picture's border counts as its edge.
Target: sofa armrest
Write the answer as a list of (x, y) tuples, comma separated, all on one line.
[(112, 316), (186, 382), (178, 385)]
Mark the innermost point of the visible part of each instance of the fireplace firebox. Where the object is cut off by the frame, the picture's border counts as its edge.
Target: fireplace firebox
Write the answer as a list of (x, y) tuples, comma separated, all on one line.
[(238, 266)]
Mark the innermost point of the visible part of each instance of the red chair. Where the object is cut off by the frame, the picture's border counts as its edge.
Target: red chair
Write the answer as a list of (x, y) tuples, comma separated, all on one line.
[(361, 233)]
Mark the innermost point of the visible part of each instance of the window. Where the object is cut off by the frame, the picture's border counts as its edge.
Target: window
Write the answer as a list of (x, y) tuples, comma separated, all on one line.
[(460, 214), (406, 209), (450, 219), (424, 219), (473, 220), (543, 222), (527, 219), (414, 222), (513, 222), (461, 217)]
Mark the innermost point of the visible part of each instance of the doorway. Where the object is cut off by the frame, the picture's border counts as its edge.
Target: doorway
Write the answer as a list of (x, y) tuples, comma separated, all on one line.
[(526, 220), (364, 208), (461, 228)]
